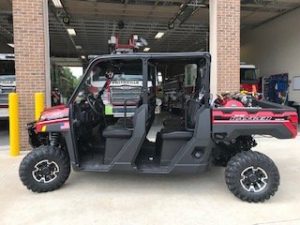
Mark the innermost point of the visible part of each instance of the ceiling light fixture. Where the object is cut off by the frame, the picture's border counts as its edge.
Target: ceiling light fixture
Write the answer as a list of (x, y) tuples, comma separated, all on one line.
[(57, 3), (71, 32), (11, 45), (146, 49), (159, 35)]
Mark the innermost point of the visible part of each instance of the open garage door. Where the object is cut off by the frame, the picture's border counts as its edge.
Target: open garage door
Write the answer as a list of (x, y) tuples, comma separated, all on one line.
[(80, 30), (270, 43), (166, 25)]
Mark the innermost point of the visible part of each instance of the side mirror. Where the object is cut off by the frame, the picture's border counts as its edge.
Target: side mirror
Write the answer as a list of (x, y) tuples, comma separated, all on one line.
[(211, 99)]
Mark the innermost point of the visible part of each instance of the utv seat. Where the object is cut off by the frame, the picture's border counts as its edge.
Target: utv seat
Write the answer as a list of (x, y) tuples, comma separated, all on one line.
[(191, 115), (117, 131), (128, 121), (125, 122), (189, 121), (171, 142), (117, 136), (174, 123), (176, 134)]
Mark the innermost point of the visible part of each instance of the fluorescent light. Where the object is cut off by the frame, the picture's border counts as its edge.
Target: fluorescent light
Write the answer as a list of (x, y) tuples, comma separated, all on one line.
[(78, 47), (202, 5), (159, 35), (11, 45), (71, 31), (57, 3), (146, 49), (83, 56)]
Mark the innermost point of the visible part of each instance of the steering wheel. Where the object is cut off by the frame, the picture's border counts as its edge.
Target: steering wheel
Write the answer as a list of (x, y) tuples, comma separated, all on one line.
[(95, 104)]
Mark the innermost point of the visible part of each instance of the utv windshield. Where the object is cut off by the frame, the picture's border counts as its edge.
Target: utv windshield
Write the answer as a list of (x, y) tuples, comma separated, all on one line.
[(108, 74), (7, 73), (127, 77), (7, 67)]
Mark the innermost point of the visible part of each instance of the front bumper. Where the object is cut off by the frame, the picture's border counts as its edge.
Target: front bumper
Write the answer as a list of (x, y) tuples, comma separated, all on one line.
[(33, 137), (3, 113)]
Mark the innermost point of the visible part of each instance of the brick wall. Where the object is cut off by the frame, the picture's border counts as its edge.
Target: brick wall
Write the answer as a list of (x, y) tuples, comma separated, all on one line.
[(28, 22), (228, 42)]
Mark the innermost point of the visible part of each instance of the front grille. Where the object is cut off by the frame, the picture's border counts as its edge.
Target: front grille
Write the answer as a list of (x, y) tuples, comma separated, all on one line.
[(4, 91), (119, 111), (120, 94), (3, 99)]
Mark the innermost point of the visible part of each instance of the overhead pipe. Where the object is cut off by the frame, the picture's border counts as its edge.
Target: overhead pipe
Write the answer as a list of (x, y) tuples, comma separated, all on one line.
[(186, 9)]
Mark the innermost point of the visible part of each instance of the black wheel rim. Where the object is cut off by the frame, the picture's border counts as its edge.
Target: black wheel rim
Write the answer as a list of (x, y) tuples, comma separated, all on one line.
[(45, 171), (254, 179)]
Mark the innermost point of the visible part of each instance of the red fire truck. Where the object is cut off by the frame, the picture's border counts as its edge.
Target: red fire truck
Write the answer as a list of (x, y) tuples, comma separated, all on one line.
[(248, 78), (7, 82)]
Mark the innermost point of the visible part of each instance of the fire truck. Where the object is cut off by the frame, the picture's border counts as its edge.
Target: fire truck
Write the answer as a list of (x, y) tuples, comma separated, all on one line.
[(248, 78), (7, 82), (121, 87)]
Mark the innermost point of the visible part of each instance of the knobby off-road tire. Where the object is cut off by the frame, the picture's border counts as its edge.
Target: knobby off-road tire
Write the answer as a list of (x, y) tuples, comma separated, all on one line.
[(45, 169), (252, 176)]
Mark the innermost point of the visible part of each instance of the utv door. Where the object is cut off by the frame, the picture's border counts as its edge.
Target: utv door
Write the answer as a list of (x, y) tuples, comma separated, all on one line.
[(123, 144)]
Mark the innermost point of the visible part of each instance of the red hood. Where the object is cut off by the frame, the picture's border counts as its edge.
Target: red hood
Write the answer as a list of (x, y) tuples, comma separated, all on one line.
[(56, 112)]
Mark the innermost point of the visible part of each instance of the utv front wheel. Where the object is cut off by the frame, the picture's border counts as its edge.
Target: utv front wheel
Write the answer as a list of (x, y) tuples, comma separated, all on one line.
[(252, 176), (44, 169)]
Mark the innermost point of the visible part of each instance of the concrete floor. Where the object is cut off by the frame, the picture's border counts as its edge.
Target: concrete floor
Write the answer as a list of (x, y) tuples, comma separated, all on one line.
[(96, 198)]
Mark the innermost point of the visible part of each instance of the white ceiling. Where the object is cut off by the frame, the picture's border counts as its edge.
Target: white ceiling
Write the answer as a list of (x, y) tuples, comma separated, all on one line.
[(96, 20)]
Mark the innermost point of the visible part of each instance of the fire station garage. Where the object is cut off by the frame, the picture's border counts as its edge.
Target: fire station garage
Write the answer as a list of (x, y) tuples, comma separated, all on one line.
[(250, 38), (70, 33), (45, 47)]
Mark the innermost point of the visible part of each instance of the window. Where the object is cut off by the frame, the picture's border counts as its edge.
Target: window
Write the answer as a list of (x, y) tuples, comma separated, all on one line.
[(116, 80), (247, 75), (7, 67)]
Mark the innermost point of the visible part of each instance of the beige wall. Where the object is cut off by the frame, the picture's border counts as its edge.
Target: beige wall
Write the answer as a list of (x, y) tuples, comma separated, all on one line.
[(275, 48)]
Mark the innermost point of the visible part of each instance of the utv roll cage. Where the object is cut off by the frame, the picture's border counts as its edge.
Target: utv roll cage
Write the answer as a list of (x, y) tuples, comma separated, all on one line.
[(204, 60)]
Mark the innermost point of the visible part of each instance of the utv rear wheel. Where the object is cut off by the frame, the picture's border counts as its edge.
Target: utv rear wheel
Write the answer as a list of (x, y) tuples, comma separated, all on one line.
[(45, 169), (252, 176)]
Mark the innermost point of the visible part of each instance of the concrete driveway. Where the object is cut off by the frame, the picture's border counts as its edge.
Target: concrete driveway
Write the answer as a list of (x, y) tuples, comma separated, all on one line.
[(95, 198)]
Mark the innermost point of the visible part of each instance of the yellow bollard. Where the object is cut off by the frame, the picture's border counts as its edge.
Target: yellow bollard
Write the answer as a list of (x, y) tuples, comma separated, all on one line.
[(14, 138), (39, 104)]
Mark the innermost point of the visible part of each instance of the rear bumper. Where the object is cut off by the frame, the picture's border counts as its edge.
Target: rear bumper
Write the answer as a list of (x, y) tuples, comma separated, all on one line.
[(284, 130)]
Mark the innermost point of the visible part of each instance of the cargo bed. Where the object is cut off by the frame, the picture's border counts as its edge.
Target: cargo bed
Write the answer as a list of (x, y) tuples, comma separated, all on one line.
[(265, 118)]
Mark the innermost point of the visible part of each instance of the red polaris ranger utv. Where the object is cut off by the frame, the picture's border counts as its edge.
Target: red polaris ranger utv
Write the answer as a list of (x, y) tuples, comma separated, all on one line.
[(205, 133)]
